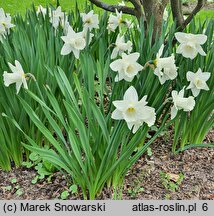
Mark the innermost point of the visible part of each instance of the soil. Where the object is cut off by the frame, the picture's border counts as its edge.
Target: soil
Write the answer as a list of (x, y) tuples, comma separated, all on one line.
[(195, 164), (142, 182)]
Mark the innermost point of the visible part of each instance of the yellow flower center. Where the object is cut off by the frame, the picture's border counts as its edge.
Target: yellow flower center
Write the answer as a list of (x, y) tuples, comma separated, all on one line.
[(129, 69), (3, 23), (198, 83), (131, 109), (188, 47), (155, 62), (120, 21), (88, 21)]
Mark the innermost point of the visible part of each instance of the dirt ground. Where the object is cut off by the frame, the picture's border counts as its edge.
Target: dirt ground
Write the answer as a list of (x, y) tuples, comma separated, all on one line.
[(142, 182)]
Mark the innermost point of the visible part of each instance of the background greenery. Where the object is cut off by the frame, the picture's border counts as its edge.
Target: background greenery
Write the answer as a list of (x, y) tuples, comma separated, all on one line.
[(14, 6)]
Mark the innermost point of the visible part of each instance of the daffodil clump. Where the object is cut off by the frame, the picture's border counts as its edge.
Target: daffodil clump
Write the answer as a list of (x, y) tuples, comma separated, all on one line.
[(100, 86)]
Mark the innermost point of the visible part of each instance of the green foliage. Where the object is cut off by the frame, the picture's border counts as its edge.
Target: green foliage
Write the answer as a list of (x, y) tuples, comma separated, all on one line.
[(105, 146), (14, 187), (135, 188), (65, 117), (14, 181), (9, 187), (34, 43), (190, 130), (168, 183), (19, 192), (95, 153), (64, 195), (73, 188), (43, 167), (100, 162), (149, 151)]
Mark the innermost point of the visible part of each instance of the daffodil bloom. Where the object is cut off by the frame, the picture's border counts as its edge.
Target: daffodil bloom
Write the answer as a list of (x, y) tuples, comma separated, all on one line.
[(198, 81), (86, 33), (41, 10), (121, 47), (129, 24), (74, 42), (57, 17), (127, 67), (165, 15), (17, 76), (190, 44), (180, 102), (165, 68), (134, 112), (5, 22), (65, 26), (121, 3), (90, 20), (115, 21)]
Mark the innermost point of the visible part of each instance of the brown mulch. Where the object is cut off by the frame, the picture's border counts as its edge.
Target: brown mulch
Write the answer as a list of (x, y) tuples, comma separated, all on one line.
[(197, 165), (142, 182), (41, 190)]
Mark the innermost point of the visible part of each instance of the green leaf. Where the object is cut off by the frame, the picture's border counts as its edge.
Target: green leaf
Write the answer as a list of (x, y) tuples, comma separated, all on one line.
[(17, 187), (14, 181), (19, 192), (9, 187), (149, 151), (35, 179), (100, 119), (27, 164), (64, 195), (45, 131), (34, 156), (73, 188)]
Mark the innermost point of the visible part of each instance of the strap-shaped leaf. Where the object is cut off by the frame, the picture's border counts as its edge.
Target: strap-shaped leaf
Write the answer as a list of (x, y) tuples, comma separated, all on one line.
[(33, 116)]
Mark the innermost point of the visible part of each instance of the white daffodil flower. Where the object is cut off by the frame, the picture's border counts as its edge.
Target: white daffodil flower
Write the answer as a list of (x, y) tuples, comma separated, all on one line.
[(5, 22), (74, 42), (165, 15), (121, 47), (41, 10), (121, 3), (115, 21), (198, 81), (85, 33), (180, 102), (18, 76), (129, 24), (57, 17), (190, 44), (134, 112), (165, 67), (65, 26), (90, 20), (127, 67)]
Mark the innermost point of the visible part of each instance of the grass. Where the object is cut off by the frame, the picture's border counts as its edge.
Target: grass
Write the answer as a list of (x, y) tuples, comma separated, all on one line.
[(205, 14), (14, 6)]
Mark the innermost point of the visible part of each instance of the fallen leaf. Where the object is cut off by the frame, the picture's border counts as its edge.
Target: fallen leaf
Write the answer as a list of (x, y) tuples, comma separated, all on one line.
[(173, 177)]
